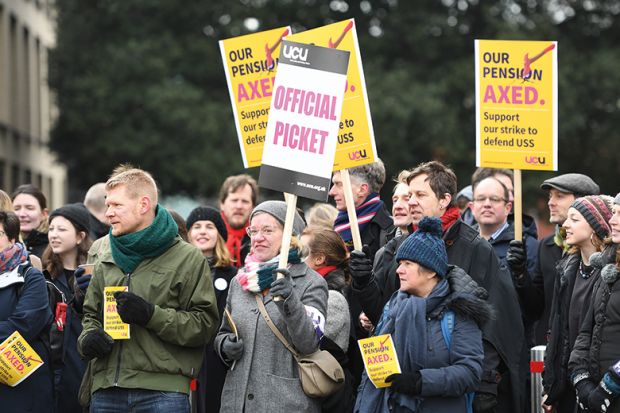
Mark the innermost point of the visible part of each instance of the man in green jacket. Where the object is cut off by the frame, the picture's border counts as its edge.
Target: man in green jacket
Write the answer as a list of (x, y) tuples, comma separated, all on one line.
[(168, 302)]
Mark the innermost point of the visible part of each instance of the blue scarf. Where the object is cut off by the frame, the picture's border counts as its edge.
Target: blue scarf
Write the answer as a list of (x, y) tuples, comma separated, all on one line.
[(365, 213), (404, 317)]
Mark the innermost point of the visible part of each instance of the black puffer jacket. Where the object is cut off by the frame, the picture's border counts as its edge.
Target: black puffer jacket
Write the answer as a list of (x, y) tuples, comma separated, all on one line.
[(596, 347), (36, 242), (556, 380)]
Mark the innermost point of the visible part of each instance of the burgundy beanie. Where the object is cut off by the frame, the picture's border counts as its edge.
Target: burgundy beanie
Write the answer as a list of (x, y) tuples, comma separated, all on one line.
[(596, 209)]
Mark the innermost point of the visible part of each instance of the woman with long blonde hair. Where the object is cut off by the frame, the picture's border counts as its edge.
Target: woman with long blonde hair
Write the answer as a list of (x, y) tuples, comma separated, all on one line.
[(206, 230)]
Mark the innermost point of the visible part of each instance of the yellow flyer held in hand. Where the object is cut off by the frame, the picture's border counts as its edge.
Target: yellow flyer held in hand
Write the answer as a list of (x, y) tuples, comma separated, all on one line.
[(380, 359), (356, 138), (17, 360), (250, 63), (516, 104), (112, 323)]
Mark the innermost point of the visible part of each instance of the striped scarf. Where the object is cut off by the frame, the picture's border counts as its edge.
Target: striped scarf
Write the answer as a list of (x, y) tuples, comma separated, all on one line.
[(256, 276), (365, 213)]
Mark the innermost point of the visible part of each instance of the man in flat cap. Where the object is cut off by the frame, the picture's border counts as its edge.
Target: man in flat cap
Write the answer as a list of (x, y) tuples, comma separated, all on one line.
[(536, 290)]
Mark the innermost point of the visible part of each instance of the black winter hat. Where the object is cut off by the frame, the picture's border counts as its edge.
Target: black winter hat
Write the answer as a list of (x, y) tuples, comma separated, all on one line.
[(76, 213), (207, 214)]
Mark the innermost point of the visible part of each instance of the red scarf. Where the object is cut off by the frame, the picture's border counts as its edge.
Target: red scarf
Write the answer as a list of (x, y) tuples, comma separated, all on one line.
[(235, 238), (326, 269), (448, 219)]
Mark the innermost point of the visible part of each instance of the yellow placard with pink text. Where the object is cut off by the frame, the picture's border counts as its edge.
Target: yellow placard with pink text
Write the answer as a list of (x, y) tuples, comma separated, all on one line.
[(17, 360), (356, 138), (516, 104), (250, 64), (380, 359), (112, 322)]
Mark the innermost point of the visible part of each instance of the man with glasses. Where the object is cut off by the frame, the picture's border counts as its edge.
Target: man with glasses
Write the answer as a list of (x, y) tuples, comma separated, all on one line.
[(491, 207)]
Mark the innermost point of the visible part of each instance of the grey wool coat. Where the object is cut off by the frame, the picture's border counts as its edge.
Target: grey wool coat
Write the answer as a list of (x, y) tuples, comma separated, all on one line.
[(266, 378)]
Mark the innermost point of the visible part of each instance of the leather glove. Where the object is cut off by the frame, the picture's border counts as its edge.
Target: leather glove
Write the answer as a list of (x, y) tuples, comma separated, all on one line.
[(406, 383), (516, 258), (282, 287), (583, 388), (133, 309), (360, 266), (97, 344), (232, 348), (606, 391), (484, 403)]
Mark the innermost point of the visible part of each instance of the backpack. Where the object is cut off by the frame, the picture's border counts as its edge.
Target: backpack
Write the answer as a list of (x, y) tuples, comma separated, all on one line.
[(447, 326)]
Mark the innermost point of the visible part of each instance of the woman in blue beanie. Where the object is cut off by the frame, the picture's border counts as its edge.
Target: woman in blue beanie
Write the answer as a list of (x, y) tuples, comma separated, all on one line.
[(435, 320)]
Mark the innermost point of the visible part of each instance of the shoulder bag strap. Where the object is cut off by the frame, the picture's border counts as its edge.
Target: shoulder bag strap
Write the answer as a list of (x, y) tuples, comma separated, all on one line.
[(273, 327)]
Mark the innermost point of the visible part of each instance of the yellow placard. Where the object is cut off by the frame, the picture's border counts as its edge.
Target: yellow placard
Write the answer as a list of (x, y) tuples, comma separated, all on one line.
[(356, 138), (17, 360), (516, 104), (380, 359), (250, 63), (112, 323)]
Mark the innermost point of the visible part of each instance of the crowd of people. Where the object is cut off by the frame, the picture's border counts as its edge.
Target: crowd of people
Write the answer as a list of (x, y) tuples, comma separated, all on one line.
[(217, 323)]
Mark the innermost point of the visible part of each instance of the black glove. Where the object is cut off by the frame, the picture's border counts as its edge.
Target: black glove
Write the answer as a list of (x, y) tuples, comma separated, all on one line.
[(83, 281), (360, 267), (406, 383), (232, 348), (97, 344), (583, 388), (282, 287), (133, 309), (484, 402), (516, 258), (606, 391)]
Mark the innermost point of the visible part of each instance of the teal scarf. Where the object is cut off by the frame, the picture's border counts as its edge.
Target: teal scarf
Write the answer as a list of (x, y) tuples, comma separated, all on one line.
[(130, 250)]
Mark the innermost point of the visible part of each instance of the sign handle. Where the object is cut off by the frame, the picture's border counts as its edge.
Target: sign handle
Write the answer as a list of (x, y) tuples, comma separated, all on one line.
[(348, 197), (518, 211), (291, 204)]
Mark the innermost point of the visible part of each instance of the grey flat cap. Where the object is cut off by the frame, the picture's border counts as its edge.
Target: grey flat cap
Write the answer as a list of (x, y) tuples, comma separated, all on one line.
[(577, 184), (617, 199), (277, 209)]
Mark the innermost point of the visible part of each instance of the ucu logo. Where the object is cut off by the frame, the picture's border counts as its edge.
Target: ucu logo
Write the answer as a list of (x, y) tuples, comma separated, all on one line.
[(535, 160), (357, 154), (295, 52)]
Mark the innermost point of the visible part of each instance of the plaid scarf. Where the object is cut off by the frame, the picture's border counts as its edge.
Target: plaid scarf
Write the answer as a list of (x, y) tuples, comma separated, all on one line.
[(365, 213), (12, 257)]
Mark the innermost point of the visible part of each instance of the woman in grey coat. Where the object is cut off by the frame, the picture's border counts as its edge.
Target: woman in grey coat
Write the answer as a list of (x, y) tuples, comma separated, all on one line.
[(263, 375)]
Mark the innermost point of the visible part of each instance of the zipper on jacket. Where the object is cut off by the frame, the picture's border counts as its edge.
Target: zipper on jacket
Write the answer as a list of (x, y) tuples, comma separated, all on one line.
[(120, 351)]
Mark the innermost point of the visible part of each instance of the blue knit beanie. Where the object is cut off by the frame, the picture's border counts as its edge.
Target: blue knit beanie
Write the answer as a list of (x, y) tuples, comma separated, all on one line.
[(426, 247)]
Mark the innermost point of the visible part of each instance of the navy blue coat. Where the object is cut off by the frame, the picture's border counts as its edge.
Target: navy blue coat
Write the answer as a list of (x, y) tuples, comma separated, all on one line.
[(28, 312), (448, 374)]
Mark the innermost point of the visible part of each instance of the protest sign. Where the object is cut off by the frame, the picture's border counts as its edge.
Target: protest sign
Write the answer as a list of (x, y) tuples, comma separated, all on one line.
[(17, 360), (516, 104), (380, 358), (112, 323), (304, 117), (250, 63), (356, 138)]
